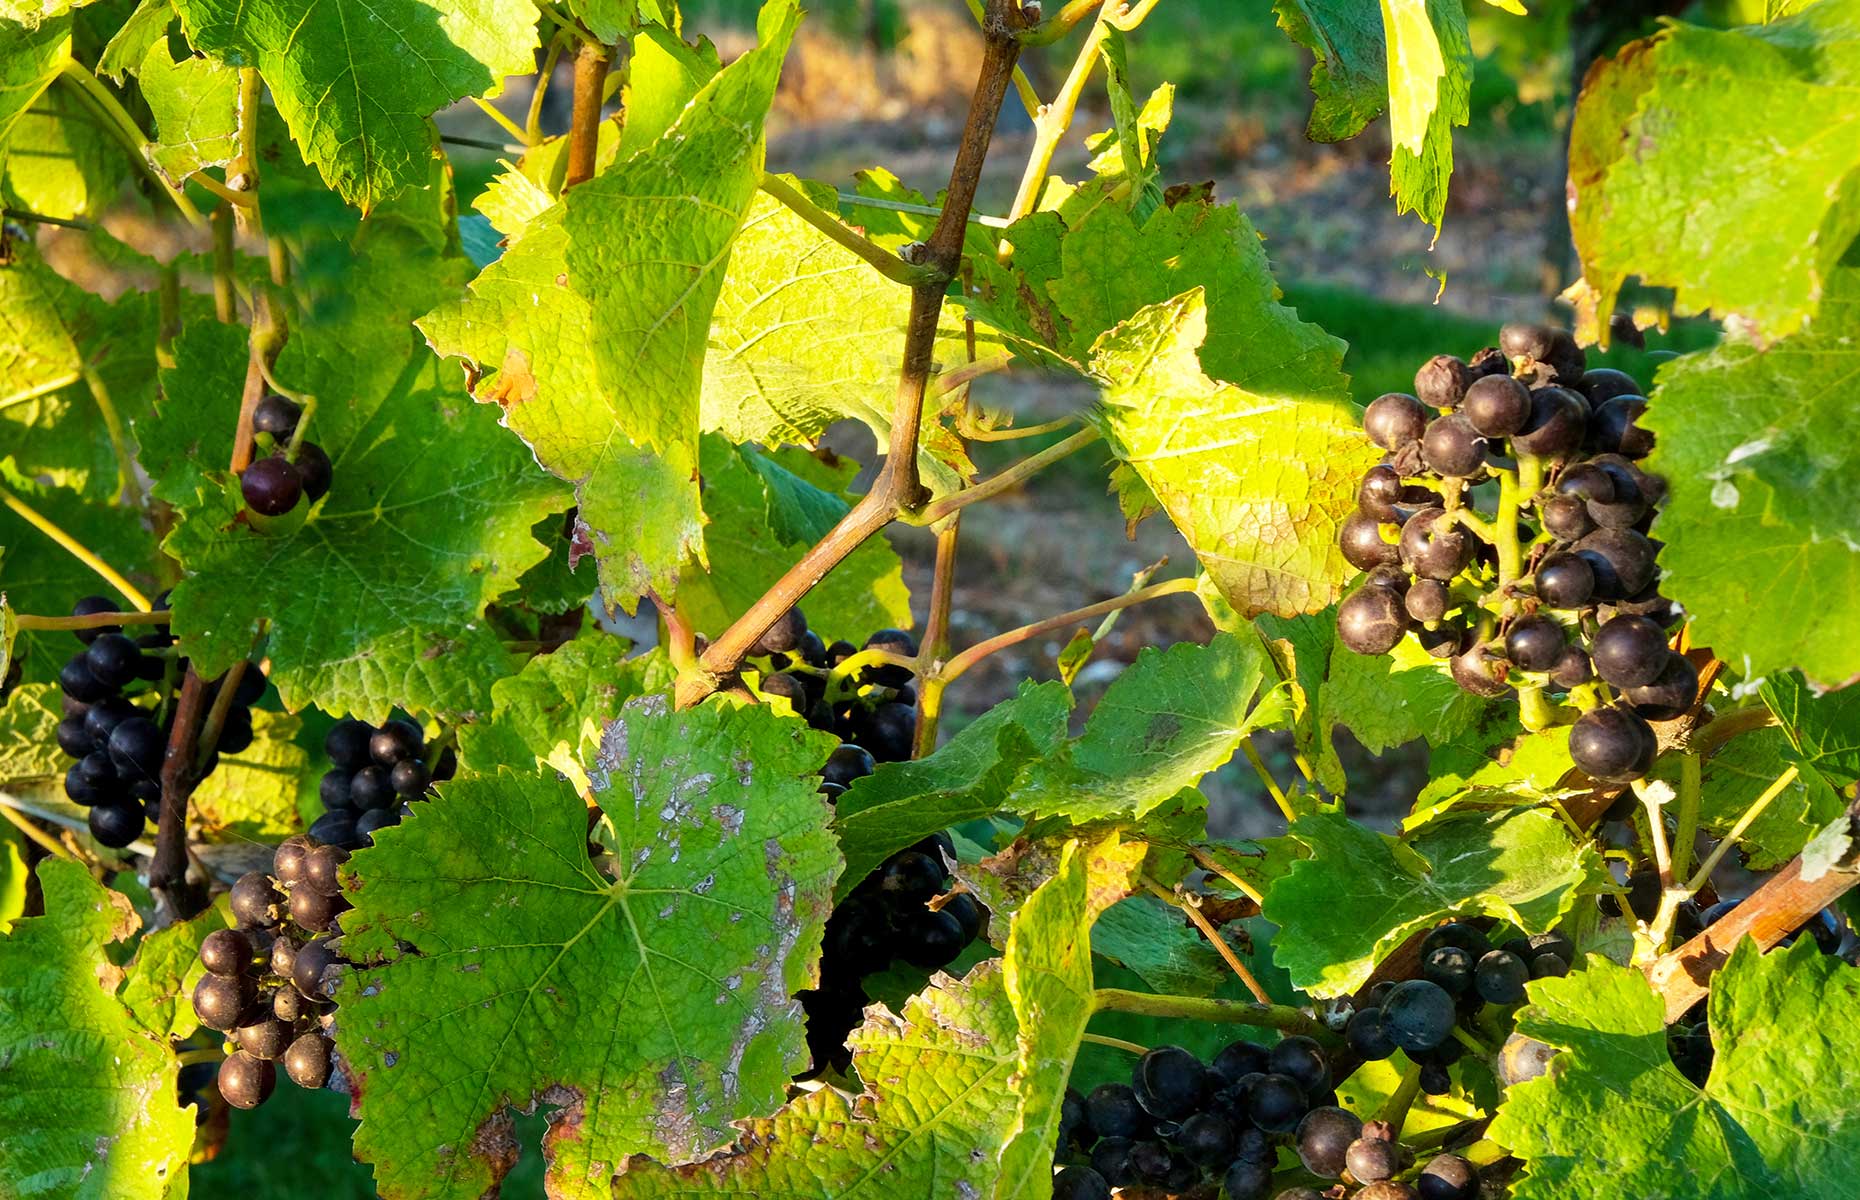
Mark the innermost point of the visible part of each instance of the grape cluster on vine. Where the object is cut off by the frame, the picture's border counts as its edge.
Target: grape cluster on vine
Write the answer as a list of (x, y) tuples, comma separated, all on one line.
[(1506, 532), (119, 712), (273, 484), (903, 910), (377, 772), (267, 979), (1183, 1126)]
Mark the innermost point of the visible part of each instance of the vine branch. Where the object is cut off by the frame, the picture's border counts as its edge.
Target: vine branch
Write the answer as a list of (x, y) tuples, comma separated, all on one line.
[(884, 261), (584, 130), (1001, 641), (168, 870), (1214, 1010)]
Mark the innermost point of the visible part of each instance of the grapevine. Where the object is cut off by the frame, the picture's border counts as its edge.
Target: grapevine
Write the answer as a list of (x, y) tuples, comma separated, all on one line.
[(468, 697)]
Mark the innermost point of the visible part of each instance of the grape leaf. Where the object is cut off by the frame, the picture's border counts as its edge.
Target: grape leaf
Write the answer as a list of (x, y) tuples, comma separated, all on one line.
[(1388, 700), (401, 557), (1775, 1117), (1720, 163), (29, 734), (13, 873), (1349, 74), (1762, 523), (1742, 770), (160, 982), (1534, 765), (1824, 730), (1258, 482), (667, 73), (130, 42), (937, 1107), (189, 432), (31, 56), (358, 83), (1430, 91), (551, 713), (1156, 943), (195, 103), (506, 969), (1169, 719), (64, 163), (1048, 972), (865, 591), (43, 577), (90, 1107), (252, 795), (966, 778), (1357, 898)]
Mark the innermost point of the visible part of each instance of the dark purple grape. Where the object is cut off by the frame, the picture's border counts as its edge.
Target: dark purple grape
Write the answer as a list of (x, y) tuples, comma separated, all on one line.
[(236, 732), (1565, 580), (78, 683), (1466, 936), (1246, 1180), (1449, 967), (90, 606), (409, 778), (1546, 966), (114, 660), (312, 910), (1302, 1060), (314, 958), (307, 1060), (932, 940), (1629, 651), (847, 763), (1366, 1036), (264, 1038), (1623, 562), (1428, 600), (1371, 620), (277, 416), (1393, 420), (1113, 1111), (102, 718), (1605, 383), (1380, 492), (1080, 1183), (911, 878), (1521, 340), (375, 820), (1567, 359), (1448, 1177), (395, 741), (1613, 429), (1500, 977), (1452, 447), (1169, 1083), (1236, 1060), (1363, 542), (890, 730), (246, 1082), (73, 738), (1111, 1159), (1433, 546), (1566, 518), (1323, 1140), (1442, 381), (97, 770), (1276, 1103), (1206, 1139), (255, 903), (781, 637), (322, 870), (1477, 671), (1555, 427), (1535, 643), (347, 743), (1418, 1015), (226, 952), (1613, 745), (1572, 669), (1586, 481), (116, 825), (1672, 692), (334, 788), (337, 828), (316, 469), (1372, 1159), (271, 486), (80, 790), (1497, 405), (371, 788), (220, 1000)]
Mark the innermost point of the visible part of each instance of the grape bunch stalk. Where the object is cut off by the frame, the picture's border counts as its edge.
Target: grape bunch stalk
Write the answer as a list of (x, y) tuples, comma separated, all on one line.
[(904, 909), (267, 979), (1188, 1127), (1506, 532), (119, 711)]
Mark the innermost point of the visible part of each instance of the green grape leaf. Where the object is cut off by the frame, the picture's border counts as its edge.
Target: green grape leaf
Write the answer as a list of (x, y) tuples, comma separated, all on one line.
[(806, 333), (130, 43), (666, 74), (1824, 730), (1361, 894), (1742, 770), (748, 510), (1048, 971), (555, 585), (1720, 163), (1169, 719), (1530, 772), (1349, 74), (937, 1107), (195, 103), (512, 201), (1763, 515), (551, 713), (90, 1107), (44, 578), (608, 20), (189, 432), (29, 735), (1614, 1115), (1388, 700), (375, 600), (13, 873), (31, 55), (1155, 942), (64, 163), (966, 778), (358, 83), (647, 994), (1430, 91), (252, 795), (159, 984), (1258, 481)]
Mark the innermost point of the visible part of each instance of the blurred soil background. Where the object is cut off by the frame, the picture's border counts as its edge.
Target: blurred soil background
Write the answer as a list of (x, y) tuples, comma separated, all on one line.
[(886, 83)]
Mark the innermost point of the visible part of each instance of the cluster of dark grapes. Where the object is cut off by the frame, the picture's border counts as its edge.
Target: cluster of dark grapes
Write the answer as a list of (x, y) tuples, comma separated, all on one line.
[(1461, 973), (272, 485), (378, 771), (116, 724), (266, 982), (1587, 603), (1183, 1126), (900, 911)]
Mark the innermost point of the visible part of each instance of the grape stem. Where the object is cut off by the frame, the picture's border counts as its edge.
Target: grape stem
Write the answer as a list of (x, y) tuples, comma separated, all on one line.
[(1099, 1039), (1001, 641), (168, 869), (33, 218), (503, 122), (1052, 120), (1716, 732), (44, 840), (1656, 832), (75, 548), (1060, 23), (117, 121), (1691, 787), (880, 259), (963, 376), (1394, 1111), (1738, 830), (1213, 1010), (1265, 776), (91, 620), (215, 720), (897, 488), (1029, 98), (532, 125), (584, 126), (1209, 863), (1005, 480), (935, 646), (1191, 907)]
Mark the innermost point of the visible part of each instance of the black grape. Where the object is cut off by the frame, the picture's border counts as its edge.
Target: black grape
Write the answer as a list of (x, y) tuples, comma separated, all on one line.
[(235, 732), (1371, 620), (264, 1038), (781, 637), (1433, 546), (1394, 420), (847, 763), (1428, 600), (317, 471), (226, 952), (1372, 1159), (334, 788), (1521, 340), (1500, 977), (1622, 559), (1452, 447), (1169, 1083), (116, 825), (312, 910), (932, 940), (307, 969), (1450, 967), (1363, 544), (276, 416), (90, 606), (137, 746), (97, 770), (1629, 651), (375, 820), (1548, 965), (1535, 643), (1236, 1060), (347, 743), (1435, 1081), (254, 902), (370, 787), (307, 1061), (1567, 518), (968, 913), (73, 738), (1565, 580), (1249, 1181), (890, 730), (1111, 1159), (1151, 1162), (1418, 1015), (1380, 492), (1605, 383), (1478, 671), (337, 827), (80, 790), (1671, 693), (1449, 1177), (1080, 1183), (114, 660), (271, 486), (1555, 426), (1497, 405), (322, 869), (102, 718), (1442, 381), (220, 1000), (1572, 669), (911, 878), (1206, 1139), (409, 778), (1613, 429), (1276, 1104), (246, 1082), (395, 741), (1302, 1060), (1366, 1036), (1324, 1138), (78, 683), (1586, 481)]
